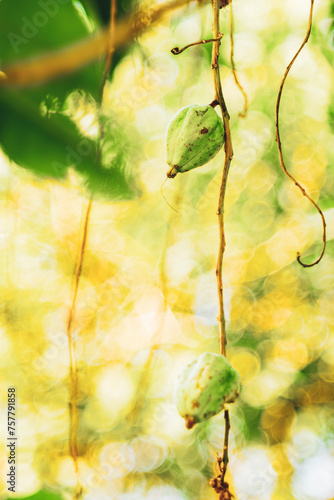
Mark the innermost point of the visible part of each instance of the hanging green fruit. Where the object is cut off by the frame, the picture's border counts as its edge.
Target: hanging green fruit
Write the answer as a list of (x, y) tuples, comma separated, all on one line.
[(204, 387), (194, 137)]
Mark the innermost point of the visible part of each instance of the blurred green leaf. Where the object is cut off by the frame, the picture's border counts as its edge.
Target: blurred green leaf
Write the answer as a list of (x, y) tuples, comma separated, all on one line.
[(39, 26), (42, 495), (252, 422), (48, 145), (101, 8), (42, 26)]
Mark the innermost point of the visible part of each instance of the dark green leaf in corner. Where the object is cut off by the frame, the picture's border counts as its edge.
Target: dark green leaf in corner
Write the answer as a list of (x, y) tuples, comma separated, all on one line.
[(42, 495), (48, 145), (36, 130)]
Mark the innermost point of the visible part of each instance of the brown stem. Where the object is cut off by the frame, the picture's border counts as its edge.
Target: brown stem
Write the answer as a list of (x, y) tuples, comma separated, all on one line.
[(222, 242), (225, 453), (74, 386), (218, 483), (58, 63), (235, 75), (176, 50), (228, 157), (278, 140), (74, 383)]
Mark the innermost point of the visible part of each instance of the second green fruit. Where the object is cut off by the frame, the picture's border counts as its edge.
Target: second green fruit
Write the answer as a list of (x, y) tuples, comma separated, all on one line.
[(204, 387)]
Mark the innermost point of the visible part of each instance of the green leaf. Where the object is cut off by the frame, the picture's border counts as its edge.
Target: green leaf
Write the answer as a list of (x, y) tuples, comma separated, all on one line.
[(42, 26), (101, 8), (43, 145), (119, 150), (29, 28), (43, 495), (48, 145), (252, 422)]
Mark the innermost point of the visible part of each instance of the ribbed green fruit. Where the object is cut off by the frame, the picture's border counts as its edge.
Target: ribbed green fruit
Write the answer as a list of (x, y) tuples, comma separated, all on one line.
[(194, 137), (204, 387)]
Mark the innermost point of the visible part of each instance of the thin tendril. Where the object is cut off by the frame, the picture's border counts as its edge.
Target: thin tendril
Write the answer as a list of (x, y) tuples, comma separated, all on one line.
[(235, 75), (176, 50), (135, 419), (278, 140), (164, 197), (74, 386)]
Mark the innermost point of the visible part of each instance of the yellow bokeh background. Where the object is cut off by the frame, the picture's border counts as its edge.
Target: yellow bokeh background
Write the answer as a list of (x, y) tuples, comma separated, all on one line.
[(147, 302)]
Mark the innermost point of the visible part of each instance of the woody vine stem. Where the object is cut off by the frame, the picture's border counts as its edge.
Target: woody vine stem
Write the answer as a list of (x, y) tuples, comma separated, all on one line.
[(219, 98)]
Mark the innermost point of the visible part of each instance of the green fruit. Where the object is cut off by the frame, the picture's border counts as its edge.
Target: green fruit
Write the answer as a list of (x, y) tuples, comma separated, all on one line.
[(194, 137), (204, 387)]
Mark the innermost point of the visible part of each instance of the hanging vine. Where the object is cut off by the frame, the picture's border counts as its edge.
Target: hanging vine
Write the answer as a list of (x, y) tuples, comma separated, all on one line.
[(74, 375), (218, 483), (243, 113), (279, 144), (194, 137)]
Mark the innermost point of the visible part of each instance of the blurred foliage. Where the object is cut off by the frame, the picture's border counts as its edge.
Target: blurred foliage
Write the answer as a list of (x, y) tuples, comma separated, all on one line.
[(147, 301), (50, 140), (42, 495), (101, 8)]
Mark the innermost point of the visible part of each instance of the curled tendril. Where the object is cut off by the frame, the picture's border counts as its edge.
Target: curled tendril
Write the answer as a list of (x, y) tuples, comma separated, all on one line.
[(176, 50), (243, 113), (278, 140), (164, 197)]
